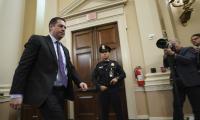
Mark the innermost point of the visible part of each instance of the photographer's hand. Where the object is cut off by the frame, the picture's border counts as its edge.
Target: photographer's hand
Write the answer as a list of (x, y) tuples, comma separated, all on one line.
[(168, 51)]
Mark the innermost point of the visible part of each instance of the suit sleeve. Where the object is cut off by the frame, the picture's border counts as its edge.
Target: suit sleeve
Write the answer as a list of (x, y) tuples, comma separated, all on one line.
[(76, 78), (188, 57), (73, 73), (24, 67)]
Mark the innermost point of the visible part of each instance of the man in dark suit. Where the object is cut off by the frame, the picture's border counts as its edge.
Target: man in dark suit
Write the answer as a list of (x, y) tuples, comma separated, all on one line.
[(195, 39), (186, 80), (44, 75)]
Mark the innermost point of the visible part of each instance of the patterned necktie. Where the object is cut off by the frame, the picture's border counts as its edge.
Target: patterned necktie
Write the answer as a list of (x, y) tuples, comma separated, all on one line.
[(61, 66)]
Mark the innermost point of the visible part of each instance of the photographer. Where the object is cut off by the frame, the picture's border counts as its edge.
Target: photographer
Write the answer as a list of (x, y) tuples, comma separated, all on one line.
[(169, 62), (186, 80), (195, 39)]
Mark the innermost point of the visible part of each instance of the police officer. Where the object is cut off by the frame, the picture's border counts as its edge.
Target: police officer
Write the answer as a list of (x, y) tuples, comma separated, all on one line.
[(108, 76)]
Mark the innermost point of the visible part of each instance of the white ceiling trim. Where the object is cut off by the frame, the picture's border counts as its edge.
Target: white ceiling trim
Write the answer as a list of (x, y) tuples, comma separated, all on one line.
[(67, 11)]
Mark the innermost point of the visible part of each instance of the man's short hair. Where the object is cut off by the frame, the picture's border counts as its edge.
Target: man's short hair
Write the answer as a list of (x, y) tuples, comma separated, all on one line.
[(54, 20), (196, 34)]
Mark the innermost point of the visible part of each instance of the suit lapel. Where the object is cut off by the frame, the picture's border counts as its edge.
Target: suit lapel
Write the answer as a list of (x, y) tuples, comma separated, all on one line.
[(51, 47)]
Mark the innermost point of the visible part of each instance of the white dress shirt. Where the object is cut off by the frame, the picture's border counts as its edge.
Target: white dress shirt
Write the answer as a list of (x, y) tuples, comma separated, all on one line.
[(58, 81)]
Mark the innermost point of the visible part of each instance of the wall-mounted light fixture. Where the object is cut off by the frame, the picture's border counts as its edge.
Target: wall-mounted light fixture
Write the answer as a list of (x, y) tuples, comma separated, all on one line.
[(186, 6)]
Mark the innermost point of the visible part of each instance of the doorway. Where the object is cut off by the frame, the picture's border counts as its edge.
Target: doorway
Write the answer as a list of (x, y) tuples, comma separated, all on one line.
[(85, 57)]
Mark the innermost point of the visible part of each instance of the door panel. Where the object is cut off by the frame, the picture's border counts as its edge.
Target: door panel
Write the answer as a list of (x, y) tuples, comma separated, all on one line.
[(84, 66), (82, 51), (85, 55), (85, 108), (85, 102), (83, 39), (107, 34)]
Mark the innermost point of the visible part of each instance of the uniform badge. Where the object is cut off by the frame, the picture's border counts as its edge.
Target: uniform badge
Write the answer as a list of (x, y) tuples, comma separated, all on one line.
[(112, 64), (111, 74), (100, 67)]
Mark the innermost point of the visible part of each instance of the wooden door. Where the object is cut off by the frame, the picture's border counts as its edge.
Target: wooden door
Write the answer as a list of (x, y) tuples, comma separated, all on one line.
[(85, 102), (29, 112), (85, 56)]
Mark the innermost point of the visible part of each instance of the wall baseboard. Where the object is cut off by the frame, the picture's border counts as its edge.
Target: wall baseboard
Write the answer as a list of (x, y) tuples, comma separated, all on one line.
[(160, 118), (187, 117), (142, 117)]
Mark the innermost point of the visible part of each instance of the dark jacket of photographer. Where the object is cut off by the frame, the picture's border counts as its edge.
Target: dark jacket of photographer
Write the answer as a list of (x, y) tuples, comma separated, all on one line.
[(184, 67)]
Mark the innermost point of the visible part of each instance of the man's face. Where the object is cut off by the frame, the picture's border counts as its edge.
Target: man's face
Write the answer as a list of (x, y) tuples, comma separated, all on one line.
[(105, 55), (195, 40), (58, 30)]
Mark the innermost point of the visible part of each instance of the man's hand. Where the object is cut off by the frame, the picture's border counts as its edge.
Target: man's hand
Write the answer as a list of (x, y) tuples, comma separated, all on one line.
[(113, 81), (103, 88), (168, 51), (16, 103), (83, 86)]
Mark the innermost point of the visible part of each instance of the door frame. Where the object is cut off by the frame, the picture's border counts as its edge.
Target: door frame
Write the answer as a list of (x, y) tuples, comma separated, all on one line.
[(116, 14)]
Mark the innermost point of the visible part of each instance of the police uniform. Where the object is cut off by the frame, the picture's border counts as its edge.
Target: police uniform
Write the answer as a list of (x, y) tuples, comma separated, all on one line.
[(103, 73)]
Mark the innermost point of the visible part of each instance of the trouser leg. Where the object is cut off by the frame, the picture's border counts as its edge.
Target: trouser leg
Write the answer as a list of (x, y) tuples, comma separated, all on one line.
[(53, 107), (194, 98), (179, 95), (117, 105), (104, 100)]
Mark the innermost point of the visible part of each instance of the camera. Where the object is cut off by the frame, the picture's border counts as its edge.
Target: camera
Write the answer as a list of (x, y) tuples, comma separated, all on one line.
[(164, 43)]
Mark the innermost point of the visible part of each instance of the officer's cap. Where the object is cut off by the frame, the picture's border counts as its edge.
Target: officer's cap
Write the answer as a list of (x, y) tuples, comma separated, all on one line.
[(104, 48)]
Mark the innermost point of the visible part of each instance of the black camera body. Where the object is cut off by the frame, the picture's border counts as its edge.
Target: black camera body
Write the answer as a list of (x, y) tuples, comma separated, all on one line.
[(164, 43)]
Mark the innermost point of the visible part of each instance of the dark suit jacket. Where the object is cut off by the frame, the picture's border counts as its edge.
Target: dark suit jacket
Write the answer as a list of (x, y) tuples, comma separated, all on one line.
[(186, 67), (37, 71)]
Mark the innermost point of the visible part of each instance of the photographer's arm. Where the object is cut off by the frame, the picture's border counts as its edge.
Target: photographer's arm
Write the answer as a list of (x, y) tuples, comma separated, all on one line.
[(183, 59), (187, 58), (165, 61)]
